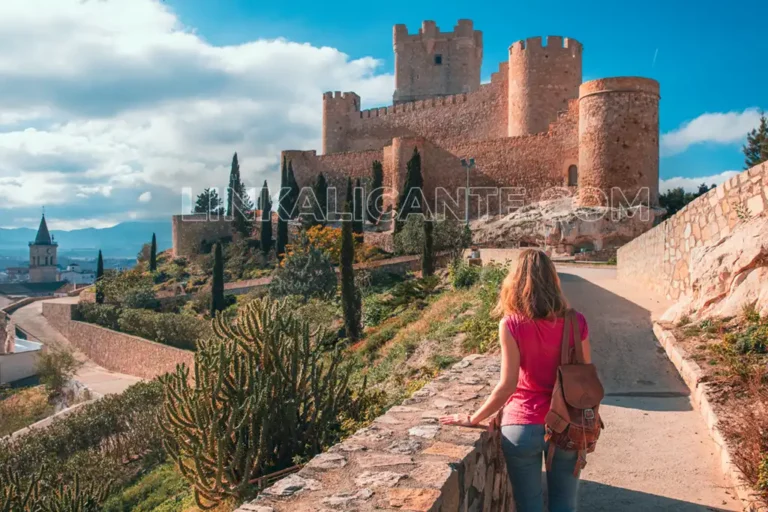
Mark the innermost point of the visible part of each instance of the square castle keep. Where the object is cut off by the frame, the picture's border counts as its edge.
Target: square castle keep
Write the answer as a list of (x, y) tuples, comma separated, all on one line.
[(534, 125)]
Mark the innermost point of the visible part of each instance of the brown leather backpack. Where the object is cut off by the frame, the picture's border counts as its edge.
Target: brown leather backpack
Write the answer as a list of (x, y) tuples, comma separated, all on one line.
[(573, 422)]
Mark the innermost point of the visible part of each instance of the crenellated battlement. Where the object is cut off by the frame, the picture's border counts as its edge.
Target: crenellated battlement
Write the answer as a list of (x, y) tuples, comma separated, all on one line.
[(552, 43), (430, 30)]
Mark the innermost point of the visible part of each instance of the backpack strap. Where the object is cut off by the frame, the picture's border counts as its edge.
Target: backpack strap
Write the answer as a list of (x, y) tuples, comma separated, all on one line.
[(578, 348), (565, 350)]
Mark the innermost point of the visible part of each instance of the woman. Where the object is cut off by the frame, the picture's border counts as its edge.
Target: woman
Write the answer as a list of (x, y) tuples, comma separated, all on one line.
[(530, 332)]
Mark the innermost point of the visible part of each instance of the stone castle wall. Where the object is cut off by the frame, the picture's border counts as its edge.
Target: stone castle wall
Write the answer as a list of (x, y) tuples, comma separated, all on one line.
[(190, 231), (114, 350), (660, 258), (478, 115), (406, 460), (533, 162)]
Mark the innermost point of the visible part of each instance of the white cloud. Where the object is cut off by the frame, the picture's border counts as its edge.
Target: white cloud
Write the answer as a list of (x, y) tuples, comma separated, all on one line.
[(104, 100), (717, 127), (692, 184), (145, 197)]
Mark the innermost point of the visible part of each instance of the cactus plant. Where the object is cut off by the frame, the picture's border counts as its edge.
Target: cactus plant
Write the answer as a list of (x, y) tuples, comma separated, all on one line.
[(262, 392), (17, 496)]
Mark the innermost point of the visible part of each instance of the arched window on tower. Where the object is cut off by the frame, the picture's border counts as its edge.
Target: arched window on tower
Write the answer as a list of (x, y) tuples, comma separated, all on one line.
[(573, 176)]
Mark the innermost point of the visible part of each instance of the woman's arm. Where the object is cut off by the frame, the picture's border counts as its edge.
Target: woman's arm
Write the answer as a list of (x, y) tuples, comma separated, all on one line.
[(510, 369)]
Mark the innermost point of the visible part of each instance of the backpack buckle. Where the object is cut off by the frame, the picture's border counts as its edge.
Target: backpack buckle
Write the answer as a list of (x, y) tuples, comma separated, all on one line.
[(589, 414)]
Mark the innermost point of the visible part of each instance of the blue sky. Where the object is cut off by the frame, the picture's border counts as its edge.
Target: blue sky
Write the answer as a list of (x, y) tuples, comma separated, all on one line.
[(118, 104)]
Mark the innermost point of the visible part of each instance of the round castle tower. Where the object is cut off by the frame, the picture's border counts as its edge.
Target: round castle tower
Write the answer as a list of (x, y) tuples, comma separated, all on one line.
[(541, 81), (619, 141)]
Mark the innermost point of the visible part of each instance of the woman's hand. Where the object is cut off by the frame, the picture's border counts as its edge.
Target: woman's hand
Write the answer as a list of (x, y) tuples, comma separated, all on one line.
[(462, 420)]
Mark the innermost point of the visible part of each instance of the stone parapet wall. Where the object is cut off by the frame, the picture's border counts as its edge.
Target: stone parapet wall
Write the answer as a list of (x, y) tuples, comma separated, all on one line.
[(406, 460), (190, 231), (114, 350), (660, 258)]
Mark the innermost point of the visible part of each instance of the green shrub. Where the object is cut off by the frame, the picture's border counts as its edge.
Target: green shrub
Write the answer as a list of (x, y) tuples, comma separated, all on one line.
[(56, 368), (305, 272), (754, 340), (750, 313), (448, 235), (179, 331), (105, 315), (463, 275), (375, 310), (140, 297), (94, 440)]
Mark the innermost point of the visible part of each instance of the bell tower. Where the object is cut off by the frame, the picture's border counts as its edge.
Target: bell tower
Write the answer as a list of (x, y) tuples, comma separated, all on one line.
[(43, 258)]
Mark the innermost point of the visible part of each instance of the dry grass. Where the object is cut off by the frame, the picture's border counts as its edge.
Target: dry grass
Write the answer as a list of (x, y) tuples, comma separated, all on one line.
[(21, 408)]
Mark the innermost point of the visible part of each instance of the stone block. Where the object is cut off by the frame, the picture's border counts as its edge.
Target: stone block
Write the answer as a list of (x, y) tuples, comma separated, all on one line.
[(453, 451), (416, 500)]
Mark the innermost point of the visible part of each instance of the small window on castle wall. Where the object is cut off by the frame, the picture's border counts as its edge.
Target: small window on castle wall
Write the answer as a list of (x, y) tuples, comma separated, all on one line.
[(573, 176), (438, 59)]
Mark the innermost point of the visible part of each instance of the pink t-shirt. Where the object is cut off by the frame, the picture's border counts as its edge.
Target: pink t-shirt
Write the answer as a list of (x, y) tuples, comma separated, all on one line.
[(539, 344)]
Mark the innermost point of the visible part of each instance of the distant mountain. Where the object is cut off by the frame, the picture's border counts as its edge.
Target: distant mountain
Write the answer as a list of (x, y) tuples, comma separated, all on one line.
[(121, 241)]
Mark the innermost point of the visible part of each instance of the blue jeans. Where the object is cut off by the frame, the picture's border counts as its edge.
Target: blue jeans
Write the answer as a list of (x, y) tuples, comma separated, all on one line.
[(524, 449)]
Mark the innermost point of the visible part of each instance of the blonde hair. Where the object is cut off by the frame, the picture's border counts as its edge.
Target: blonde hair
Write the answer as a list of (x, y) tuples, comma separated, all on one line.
[(532, 290)]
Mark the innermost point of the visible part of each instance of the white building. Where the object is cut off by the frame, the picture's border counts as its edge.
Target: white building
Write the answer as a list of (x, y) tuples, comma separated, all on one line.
[(75, 275)]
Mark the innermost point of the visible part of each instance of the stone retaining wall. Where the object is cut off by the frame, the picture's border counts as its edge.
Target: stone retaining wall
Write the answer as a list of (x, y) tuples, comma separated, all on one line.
[(406, 460), (114, 350), (660, 258)]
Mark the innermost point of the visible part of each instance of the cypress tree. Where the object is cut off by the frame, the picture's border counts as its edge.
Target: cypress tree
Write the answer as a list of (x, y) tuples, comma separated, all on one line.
[(266, 219), (358, 221), (99, 276), (428, 252), (374, 200), (282, 212), (320, 190), (413, 180), (756, 149), (350, 296), (153, 254), (295, 190), (217, 284), (234, 184)]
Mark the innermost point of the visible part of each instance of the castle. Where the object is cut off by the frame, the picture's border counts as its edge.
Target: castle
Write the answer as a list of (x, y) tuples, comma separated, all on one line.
[(534, 125)]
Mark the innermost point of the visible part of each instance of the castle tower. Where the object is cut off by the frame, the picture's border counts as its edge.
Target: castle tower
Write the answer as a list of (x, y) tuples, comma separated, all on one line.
[(541, 81), (43, 259), (619, 141), (433, 63), (337, 111)]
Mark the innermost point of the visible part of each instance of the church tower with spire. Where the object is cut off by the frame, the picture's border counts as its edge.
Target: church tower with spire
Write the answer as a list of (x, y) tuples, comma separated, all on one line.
[(43, 259)]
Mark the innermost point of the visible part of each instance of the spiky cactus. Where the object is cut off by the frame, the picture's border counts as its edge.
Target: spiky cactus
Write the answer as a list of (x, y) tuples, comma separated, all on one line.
[(263, 392), (18, 496)]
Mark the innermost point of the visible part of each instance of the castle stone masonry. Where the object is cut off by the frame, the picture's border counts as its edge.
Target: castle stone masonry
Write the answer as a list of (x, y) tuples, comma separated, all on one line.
[(533, 125)]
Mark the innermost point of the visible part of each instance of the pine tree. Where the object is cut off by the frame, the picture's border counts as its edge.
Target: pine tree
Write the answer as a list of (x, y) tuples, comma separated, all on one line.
[(413, 181), (756, 149), (234, 184), (217, 285), (375, 198), (208, 202), (358, 221), (283, 209), (153, 254), (350, 296), (266, 219), (428, 251), (99, 277)]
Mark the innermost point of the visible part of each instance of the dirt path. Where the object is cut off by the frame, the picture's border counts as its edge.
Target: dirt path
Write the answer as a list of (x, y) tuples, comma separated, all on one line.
[(655, 453), (100, 380)]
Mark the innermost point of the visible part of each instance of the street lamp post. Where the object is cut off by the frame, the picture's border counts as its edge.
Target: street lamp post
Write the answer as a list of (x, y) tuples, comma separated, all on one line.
[(468, 165)]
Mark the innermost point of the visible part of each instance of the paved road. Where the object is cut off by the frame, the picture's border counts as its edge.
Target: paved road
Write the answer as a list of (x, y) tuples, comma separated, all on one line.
[(655, 453), (100, 380)]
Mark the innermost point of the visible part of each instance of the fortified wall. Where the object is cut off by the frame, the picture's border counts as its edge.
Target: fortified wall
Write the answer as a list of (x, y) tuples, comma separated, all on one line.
[(660, 259), (534, 125)]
